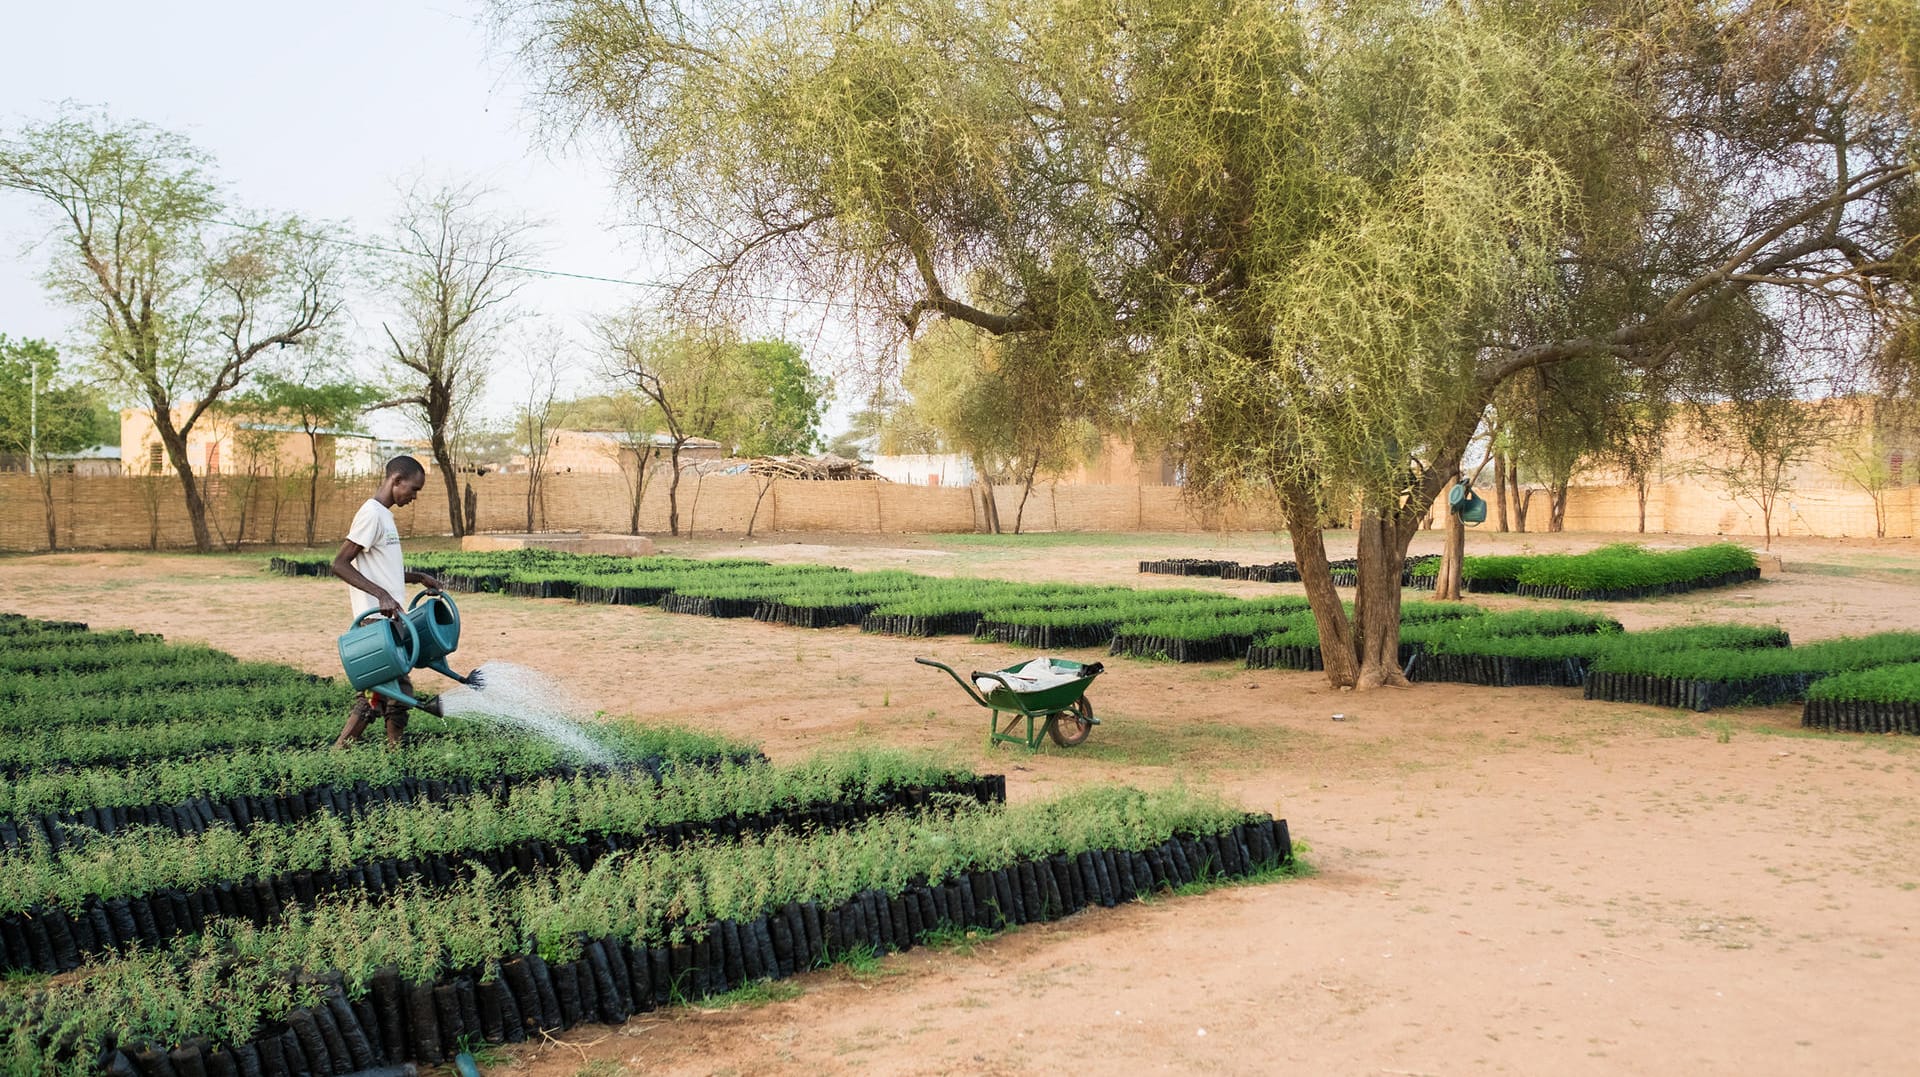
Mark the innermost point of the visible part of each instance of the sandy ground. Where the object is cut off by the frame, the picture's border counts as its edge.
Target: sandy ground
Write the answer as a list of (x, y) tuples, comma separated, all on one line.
[(1506, 881)]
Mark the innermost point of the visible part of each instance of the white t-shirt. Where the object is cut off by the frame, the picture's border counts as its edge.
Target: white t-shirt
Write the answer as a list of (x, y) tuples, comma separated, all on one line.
[(379, 540)]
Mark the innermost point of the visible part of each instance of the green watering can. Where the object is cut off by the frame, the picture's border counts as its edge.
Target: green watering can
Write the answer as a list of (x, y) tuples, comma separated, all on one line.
[(1471, 507), (377, 651)]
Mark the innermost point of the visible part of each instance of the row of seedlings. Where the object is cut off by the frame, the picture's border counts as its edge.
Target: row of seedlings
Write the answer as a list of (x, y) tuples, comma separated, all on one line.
[(242, 788), (1704, 678), (189, 737), (950, 607), (1190, 566), (838, 601), (1518, 648), (646, 581), (1294, 642), (354, 983), (1553, 648), (1618, 572), (1885, 699), (1080, 616), (1346, 572), (146, 886), (1205, 632), (740, 594)]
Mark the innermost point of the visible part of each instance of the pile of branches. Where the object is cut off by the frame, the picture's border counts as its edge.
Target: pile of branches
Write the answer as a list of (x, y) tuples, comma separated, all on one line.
[(827, 468)]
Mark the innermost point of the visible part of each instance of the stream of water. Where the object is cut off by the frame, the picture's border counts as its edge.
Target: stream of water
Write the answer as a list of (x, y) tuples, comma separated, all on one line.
[(516, 697)]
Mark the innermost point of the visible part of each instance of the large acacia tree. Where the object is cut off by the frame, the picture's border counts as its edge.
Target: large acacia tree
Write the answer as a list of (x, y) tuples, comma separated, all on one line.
[(1314, 240)]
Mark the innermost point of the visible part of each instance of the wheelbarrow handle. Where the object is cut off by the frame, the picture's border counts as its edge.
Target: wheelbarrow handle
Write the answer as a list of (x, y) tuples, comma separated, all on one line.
[(958, 679), (995, 676)]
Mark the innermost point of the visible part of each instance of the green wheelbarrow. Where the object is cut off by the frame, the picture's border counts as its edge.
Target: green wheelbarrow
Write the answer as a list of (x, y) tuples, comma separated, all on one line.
[(1059, 709)]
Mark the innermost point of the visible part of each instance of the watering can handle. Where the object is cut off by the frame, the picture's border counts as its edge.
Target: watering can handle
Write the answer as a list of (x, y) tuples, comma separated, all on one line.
[(406, 630), (438, 596)]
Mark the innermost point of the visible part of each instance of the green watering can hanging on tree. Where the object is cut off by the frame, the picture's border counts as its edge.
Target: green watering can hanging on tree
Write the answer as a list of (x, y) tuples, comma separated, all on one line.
[(377, 651), (1471, 507)]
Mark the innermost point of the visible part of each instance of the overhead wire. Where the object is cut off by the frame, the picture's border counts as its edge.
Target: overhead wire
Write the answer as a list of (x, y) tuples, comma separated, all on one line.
[(539, 271)]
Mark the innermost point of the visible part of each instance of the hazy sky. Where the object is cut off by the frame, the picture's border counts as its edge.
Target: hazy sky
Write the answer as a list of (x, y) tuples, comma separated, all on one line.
[(321, 110)]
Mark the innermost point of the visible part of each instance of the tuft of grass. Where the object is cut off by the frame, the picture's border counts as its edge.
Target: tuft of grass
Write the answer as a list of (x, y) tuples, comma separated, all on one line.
[(485, 1055), (863, 962), (758, 993), (954, 939)]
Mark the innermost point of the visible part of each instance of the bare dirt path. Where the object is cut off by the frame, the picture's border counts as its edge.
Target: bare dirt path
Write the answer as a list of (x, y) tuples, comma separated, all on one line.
[(1508, 881)]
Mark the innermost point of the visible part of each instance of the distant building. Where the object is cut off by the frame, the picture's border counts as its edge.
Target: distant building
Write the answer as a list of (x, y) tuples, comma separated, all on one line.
[(370, 457), (101, 461), (222, 444), (96, 462)]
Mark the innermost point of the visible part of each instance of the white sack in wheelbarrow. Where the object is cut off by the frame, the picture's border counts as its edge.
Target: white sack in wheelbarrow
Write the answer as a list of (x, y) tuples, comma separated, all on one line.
[(1035, 676)]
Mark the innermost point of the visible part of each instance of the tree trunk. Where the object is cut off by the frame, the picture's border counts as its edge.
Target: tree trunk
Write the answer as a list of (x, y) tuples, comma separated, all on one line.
[(313, 486), (46, 503), (1447, 586), (176, 443), (1519, 503), (443, 459), (1557, 507), (470, 508), (1337, 652), (673, 491), (693, 507), (150, 497), (1026, 491), (1499, 493), (247, 488), (759, 497), (1641, 491), (638, 488), (989, 507), (1376, 603)]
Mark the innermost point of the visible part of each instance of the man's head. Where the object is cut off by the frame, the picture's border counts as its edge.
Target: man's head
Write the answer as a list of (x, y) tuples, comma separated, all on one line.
[(404, 479)]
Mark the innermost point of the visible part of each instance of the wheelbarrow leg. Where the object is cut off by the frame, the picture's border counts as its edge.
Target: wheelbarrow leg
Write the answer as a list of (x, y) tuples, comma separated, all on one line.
[(1032, 739)]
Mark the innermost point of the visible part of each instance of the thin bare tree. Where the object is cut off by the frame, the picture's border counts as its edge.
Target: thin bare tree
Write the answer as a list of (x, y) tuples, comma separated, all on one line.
[(454, 283), (690, 374), (541, 413)]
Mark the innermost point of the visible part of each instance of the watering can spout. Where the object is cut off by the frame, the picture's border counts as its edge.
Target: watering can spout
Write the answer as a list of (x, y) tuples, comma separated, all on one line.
[(471, 680)]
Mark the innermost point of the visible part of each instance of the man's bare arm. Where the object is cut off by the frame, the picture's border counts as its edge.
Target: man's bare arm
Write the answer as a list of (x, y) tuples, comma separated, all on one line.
[(343, 568)]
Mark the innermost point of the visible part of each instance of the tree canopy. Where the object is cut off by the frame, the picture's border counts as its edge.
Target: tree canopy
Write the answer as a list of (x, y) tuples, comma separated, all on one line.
[(41, 408), (308, 400), (181, 292), (1312, 241)]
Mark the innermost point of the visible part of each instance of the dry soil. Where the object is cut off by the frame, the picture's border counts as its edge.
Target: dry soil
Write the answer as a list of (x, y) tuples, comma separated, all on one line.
[(1504, 881)]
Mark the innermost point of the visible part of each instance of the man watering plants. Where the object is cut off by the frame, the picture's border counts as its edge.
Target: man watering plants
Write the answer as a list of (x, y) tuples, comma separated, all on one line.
[(377, 577)]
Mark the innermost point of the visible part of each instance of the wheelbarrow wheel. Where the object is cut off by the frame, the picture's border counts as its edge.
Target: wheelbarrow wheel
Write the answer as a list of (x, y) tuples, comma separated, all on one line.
[(1071, 727)]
